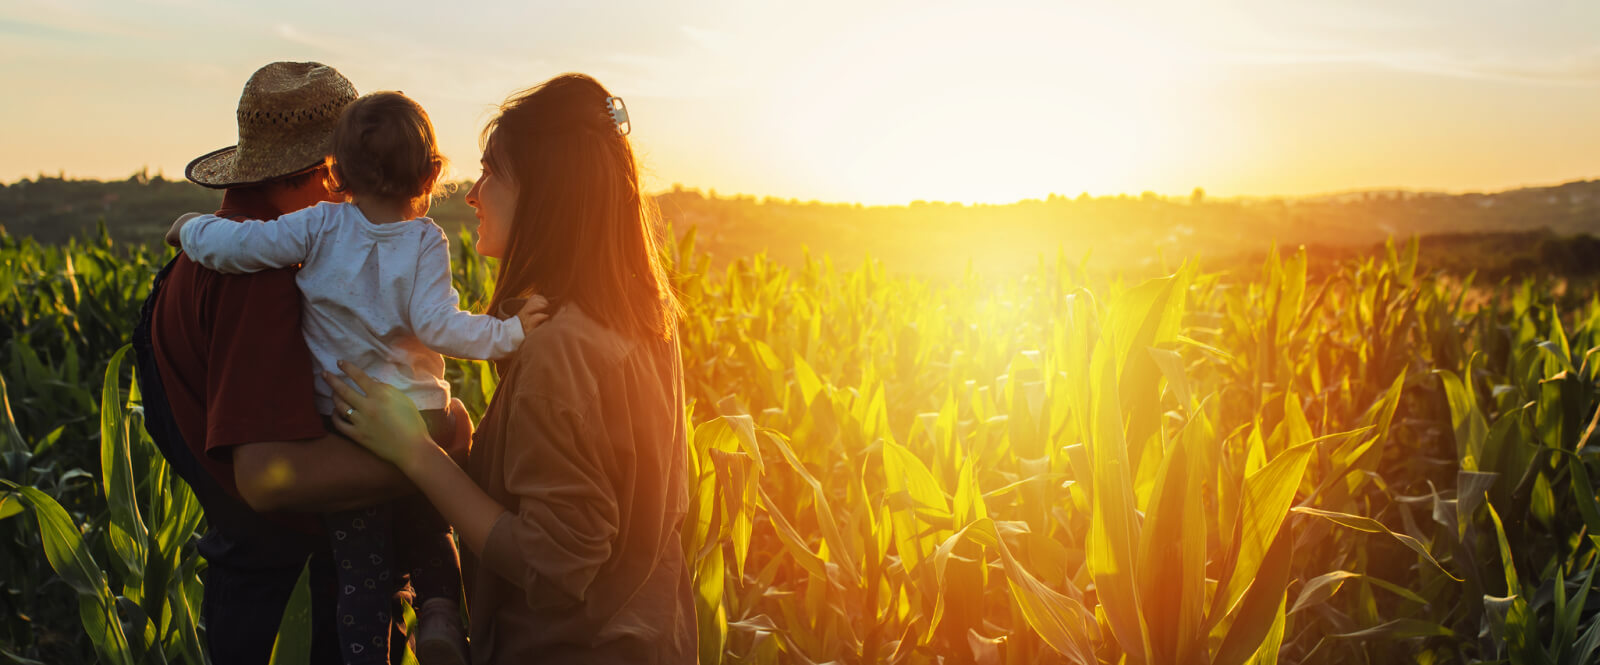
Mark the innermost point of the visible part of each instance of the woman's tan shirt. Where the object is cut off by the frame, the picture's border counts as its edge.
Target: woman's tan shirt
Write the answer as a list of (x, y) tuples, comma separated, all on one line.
[(584, 444)]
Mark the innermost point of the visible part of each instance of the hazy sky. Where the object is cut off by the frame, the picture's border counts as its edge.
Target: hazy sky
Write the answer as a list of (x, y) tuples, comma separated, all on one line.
[(881, 102)]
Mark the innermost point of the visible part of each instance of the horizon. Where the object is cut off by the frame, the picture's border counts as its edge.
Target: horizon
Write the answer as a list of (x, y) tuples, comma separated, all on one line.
[(713, 192), (885, 104)]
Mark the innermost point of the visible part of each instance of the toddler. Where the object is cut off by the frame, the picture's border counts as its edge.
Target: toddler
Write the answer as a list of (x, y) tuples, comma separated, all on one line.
[(376, 283)]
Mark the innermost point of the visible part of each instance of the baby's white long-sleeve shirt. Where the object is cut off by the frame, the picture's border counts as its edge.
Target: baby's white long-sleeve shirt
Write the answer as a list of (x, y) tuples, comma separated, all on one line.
[(377, 295)]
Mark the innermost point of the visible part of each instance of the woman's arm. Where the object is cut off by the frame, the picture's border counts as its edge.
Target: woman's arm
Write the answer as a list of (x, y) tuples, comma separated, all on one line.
[(462, 503), (387, 423), (555, 540), (227, 246)]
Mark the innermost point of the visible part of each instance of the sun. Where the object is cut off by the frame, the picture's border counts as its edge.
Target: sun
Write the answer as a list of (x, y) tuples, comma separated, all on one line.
[(944, 109)]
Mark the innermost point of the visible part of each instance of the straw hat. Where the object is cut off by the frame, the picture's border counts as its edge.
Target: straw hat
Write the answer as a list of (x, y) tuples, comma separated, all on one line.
[(286, 119)]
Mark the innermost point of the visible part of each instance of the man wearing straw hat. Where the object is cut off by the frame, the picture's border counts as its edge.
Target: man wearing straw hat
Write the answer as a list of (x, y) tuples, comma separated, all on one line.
[(226, 381)]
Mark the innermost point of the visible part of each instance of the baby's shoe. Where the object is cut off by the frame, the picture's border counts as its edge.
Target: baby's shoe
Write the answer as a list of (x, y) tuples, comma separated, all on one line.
[(441, 640)]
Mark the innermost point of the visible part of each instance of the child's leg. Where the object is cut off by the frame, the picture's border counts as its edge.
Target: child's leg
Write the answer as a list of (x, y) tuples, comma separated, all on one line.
[(425, 545), (427, 550), (363, 553)]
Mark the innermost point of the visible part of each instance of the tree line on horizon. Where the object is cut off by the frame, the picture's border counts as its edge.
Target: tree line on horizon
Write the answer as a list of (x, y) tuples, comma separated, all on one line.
[(1504, 233)]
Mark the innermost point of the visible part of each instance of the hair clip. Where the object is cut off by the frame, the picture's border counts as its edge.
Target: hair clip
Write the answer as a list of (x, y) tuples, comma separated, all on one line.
[(619, 115)]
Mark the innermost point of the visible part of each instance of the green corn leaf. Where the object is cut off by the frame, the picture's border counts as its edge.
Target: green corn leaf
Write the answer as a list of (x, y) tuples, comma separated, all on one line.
[(10, 439), (1062, 622), (1261, 608), (736, 484), (1267, 653), (806, 379), (1370, 525), (1567, 614), (1113, 531), (1521, 629), (1172, 553), (847, 550), (1471, 492), (712, 613), (916, 503), (292, 646), (1400, 629), (793, 542), (10, 505), (1471, 429), (1589, 643), (1172, 368), (69, 557), (129, 539), (1263, 508), (1322, 587)]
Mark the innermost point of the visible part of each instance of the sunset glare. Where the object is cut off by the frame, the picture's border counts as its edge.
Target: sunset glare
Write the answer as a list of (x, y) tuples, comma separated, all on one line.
[(881, 103)]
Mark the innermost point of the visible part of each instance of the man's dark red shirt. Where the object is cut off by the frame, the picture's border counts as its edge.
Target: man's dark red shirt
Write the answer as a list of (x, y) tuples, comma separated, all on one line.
[(233, 360), (222, 362)]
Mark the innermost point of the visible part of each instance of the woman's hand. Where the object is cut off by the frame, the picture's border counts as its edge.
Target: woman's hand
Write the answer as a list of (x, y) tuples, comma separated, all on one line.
[(379, 417), (173, 234)]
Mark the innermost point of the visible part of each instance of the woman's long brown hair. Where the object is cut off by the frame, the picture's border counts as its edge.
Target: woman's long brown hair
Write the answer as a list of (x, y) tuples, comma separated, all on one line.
[(582, 232)]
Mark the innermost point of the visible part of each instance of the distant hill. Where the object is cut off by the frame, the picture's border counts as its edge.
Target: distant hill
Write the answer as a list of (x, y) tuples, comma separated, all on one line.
[(1132, 233), (1119, 233)]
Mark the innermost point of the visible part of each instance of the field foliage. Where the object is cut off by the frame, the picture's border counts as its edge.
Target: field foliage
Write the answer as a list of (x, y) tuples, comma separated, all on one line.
[(1376, 464)]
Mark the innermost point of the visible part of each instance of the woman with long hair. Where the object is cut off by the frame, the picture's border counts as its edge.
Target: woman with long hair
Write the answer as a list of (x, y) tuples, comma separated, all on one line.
[(572, 502)]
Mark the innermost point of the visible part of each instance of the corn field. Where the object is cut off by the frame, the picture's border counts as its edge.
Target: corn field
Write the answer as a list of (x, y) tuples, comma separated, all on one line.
[(1378, 465)]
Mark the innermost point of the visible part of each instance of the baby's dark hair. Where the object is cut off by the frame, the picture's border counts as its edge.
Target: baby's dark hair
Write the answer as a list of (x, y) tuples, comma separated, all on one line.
[(384, 147)]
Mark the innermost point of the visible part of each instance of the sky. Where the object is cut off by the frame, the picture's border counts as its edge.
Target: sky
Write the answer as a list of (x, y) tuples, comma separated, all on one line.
[(881, 102)]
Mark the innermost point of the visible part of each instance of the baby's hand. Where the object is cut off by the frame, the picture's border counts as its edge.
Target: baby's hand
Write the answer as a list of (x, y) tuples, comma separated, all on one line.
[(532, 313), (172, 233)]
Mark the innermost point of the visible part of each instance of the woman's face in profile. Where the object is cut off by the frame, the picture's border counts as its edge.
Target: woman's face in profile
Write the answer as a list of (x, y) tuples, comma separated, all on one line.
[(495, 200)]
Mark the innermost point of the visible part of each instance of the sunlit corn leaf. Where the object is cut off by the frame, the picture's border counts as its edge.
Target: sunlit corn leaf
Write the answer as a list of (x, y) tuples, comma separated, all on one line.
[(1261, 607), (1172, 550), (129, 539), (806, 380), (1470, 426), (916, 503), (11, 442), (293, 643), (847, 550), (1172, 367), (1062, 622), (1113, 529), (793, 542), (711, 613), (1263, 508), (736, 487)]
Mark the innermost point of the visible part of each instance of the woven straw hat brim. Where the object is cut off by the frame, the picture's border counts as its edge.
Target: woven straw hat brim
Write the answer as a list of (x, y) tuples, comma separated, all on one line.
[(287, 117), (221, 169)]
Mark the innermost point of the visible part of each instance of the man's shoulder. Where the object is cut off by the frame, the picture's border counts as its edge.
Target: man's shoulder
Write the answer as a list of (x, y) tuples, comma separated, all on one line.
[(186, 271), (191, 285)]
